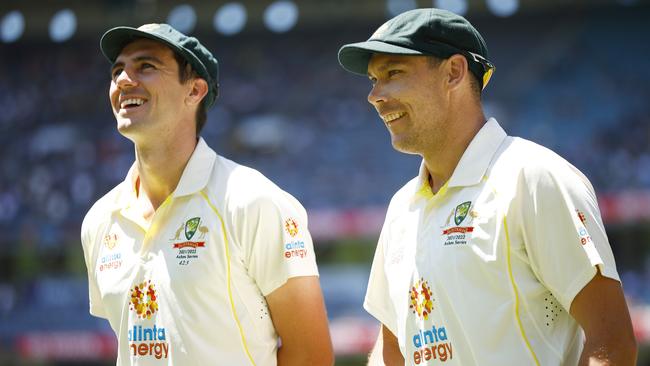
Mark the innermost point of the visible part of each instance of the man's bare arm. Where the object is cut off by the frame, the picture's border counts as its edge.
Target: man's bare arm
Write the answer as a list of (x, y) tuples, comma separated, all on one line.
[(602, 312), (298, 312), (386, 350)]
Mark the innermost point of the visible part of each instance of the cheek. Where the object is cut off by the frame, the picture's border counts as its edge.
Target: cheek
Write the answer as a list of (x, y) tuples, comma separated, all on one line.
[(428, 99), (113, 93)]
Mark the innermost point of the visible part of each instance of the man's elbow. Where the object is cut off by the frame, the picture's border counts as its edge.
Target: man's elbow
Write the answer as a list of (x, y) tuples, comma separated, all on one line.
[(627, 343), (620, 348), (630, 347)]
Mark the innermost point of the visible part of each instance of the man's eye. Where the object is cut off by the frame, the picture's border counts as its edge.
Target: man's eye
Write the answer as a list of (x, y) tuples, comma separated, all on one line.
[(147, 66), (394, 72), (116, 73), (373, 81)]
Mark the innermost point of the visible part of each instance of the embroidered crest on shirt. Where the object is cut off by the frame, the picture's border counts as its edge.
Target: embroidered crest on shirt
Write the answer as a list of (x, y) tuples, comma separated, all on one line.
[(187, 249), (457, 235), (190, 227), (461, 212)]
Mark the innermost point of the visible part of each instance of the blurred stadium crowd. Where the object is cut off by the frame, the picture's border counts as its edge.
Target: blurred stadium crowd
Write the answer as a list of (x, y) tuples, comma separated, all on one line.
[(578, 86)]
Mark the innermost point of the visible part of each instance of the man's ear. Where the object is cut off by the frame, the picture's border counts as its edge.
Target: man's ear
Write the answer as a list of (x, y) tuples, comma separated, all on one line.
[(456, 70), (198, 91)]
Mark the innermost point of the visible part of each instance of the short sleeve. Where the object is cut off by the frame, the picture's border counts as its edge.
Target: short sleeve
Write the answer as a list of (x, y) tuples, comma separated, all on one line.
[(89, 247), (275, 240), (377, 301), (563, 230)]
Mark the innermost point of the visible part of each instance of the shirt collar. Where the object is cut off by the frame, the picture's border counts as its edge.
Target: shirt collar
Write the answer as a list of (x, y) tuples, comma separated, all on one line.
[(197, 171), (194, 178), (472, 165)]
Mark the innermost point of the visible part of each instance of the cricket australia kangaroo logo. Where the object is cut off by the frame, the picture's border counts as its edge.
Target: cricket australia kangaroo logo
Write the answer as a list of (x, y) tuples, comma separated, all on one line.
[(461, 212), (459, 235), (190, 227), (187, 249)]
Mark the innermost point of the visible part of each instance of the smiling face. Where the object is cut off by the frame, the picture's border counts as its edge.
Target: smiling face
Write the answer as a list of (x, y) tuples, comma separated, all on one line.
[(409, 95), (146, 94)]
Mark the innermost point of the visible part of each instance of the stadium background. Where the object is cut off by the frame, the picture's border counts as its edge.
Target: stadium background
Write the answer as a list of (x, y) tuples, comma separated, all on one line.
[(570, 75)]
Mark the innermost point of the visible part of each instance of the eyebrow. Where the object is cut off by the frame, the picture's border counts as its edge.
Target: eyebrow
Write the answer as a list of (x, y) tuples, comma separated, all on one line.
[(138, 59), (387, 64)]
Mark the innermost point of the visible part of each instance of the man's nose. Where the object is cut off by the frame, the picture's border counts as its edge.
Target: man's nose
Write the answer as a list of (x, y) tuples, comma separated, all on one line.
[(376, 96), (124, 79)]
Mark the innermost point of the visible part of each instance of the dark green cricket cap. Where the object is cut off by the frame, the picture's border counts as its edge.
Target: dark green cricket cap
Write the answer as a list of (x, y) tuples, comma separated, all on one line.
[(201, 60), (431, 31)]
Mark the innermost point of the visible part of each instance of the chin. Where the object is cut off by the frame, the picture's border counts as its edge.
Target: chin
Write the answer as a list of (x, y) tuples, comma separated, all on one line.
[(404, 146), (126, 127)]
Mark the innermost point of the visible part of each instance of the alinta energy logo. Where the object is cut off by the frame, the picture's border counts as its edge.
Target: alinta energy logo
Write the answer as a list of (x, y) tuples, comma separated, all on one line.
[(144, 300), (111, 260), (110, 241), (187, 249), (585, 238), (291, 226), (429, 343), (295, 248), (146, 341), (421, 299)]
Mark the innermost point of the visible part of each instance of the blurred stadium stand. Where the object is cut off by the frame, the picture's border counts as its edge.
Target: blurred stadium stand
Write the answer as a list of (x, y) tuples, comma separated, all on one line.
[(573, 77)]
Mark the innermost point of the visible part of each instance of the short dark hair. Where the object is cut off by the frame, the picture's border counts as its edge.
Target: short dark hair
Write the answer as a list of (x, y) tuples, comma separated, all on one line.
[(186, 73), (435, 61)]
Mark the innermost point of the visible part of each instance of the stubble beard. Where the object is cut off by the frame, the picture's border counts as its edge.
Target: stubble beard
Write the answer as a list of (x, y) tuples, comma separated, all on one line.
[(406, 144)]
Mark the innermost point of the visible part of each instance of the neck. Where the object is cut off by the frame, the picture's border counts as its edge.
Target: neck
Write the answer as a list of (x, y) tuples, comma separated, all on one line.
[(160, 167), (441, 160)]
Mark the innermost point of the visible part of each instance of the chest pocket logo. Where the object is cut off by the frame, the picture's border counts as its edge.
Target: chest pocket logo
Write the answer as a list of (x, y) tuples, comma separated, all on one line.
[(458, 235), (187, 250), (461, 212)]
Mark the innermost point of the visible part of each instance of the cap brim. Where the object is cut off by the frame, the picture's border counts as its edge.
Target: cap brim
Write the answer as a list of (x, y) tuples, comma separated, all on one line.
[(114, 40), (354, 57)]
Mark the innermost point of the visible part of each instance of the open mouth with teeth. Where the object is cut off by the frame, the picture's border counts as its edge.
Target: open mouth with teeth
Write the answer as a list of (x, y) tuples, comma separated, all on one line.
[(132, 103), (391, 117)]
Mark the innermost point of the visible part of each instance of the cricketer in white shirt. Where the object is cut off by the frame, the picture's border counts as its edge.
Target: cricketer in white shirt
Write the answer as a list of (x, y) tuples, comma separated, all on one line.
[(189, 288), (483, 272)]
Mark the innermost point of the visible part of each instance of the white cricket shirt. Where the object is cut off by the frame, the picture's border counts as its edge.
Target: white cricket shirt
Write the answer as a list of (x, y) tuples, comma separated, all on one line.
[(189, 288), (484, 271)]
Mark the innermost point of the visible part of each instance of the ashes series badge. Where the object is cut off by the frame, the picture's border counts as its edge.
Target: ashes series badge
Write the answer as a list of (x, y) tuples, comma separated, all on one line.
[(187, 249)]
